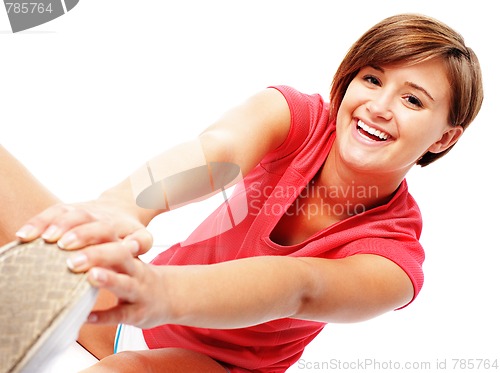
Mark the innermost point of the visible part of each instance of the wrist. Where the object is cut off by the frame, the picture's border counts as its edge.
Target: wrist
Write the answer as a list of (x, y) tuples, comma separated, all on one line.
[(121, 197), (167, 307)]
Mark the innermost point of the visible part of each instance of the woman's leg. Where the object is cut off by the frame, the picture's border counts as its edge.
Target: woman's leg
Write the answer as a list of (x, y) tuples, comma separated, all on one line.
[(167, 360), (21, 196), (99, 339)]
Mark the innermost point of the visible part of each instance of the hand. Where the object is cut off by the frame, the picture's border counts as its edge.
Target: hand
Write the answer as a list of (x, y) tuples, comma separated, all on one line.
[(137, 285), (74, 226)]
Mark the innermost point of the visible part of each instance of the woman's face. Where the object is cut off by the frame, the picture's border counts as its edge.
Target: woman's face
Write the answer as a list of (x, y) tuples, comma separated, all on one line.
[(390, 116)]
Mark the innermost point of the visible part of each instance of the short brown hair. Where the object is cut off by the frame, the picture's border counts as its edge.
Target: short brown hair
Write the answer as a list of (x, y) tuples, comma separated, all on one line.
[(409, 39)]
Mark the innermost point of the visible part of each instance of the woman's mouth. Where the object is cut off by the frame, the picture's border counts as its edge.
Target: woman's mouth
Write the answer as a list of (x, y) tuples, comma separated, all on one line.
[(371, 133)]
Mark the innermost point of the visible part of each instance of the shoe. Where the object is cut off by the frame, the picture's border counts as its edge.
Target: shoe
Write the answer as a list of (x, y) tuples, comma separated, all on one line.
[(42, 305)]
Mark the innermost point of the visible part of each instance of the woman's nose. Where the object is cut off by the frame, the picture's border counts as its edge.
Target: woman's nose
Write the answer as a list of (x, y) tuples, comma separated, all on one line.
[(381, 105)]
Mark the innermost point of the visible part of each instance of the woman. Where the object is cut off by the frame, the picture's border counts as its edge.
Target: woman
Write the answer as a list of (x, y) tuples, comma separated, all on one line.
[(321, 229)]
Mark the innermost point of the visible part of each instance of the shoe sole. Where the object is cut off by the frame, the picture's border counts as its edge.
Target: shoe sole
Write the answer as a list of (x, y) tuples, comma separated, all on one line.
[(42, 305)]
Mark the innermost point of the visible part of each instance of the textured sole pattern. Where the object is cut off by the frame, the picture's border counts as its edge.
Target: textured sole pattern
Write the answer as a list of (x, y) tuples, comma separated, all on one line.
[(42, 304)]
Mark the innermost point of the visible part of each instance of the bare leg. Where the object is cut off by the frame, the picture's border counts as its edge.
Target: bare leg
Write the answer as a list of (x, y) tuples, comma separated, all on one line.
[(99, 339), (21, 196), (168, 360)]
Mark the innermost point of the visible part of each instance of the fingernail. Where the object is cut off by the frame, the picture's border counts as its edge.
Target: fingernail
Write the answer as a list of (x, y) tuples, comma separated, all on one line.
[(132, 245), (26, 232), (77, 261), (92, 318), (67, 241), (51, 233), (97, 276)]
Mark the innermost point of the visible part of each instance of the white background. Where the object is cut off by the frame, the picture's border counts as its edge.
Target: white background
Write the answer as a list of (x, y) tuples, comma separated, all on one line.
[(88, 97)]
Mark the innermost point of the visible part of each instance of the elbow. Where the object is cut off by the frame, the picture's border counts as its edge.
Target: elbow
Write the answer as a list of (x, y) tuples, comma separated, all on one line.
[(348, 291)]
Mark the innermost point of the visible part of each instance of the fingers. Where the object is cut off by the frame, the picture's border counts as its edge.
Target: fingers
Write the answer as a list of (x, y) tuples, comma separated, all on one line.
[(123, 313), (79, 235), (125, 287), (112, 316), (77, 226), (39, 224), (114, 267), (131, 282), (117, 256), (143, 237), (72, 227), (136, 304)]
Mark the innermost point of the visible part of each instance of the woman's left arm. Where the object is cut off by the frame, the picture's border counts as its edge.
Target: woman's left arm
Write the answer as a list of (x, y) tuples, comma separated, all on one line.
[(244, 292)]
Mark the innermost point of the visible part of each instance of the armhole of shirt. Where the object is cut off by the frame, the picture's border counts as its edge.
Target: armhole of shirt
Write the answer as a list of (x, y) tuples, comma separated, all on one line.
[(299, 105), (408, 256)]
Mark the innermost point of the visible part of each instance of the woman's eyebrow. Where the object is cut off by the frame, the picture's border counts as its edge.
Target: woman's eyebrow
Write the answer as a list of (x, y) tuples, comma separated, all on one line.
[(377, 68), (420, 88), (411, 84)]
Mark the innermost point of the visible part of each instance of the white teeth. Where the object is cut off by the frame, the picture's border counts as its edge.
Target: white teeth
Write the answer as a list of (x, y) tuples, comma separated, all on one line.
[(372, 131)]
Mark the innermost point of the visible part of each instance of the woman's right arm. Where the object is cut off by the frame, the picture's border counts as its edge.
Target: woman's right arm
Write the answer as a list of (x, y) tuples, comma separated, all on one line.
[(242, 137), (245, 134)]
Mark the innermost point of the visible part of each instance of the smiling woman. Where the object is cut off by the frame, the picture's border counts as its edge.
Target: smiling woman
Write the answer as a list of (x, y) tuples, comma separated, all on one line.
[(408, 40), (396, 103), (251, 297)]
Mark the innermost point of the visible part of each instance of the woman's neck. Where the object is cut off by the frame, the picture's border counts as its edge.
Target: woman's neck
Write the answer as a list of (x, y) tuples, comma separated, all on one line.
[(352, 191)]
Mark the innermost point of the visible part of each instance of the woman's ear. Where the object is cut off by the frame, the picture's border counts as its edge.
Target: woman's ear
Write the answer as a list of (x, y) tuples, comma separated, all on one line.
[(449, 138)]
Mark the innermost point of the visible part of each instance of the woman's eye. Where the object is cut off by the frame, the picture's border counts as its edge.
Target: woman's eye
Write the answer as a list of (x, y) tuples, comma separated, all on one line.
[(414, 101), (371, 79)]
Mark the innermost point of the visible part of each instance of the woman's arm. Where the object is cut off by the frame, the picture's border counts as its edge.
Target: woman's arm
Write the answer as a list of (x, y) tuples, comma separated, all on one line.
[(244, 292), (221, 155), (242, 137)]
